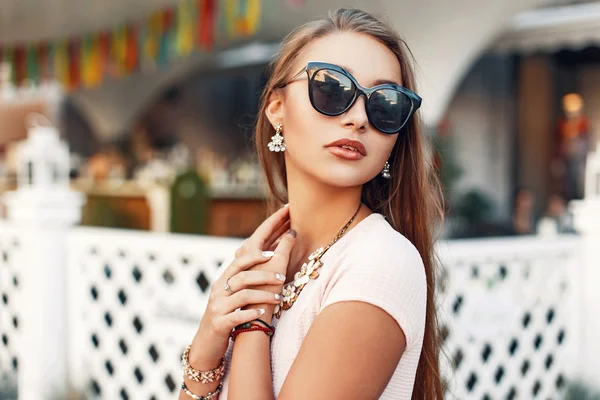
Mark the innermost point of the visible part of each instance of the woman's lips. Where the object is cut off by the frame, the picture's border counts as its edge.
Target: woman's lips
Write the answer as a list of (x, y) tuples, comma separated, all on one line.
[(345, 153), (348, 149)]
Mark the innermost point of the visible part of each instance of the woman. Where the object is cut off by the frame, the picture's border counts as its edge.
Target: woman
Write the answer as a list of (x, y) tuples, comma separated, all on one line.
[(357, 317)]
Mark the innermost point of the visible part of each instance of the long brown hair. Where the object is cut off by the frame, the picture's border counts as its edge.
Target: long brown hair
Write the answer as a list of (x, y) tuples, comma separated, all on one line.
[(410, 200)]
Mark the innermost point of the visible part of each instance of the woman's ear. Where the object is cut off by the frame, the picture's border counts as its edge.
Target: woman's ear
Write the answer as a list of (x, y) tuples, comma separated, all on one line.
[(274, 109)]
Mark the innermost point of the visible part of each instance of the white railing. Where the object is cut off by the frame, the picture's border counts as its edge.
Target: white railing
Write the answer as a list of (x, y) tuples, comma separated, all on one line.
[(11, 317), (135, 301), (509, 310), (510, 317)]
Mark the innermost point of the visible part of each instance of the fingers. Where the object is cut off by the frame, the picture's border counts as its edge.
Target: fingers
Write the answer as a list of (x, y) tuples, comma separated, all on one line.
[(240, 251), (276, 235), (246, 279), (227, 322), (285, 246), (239, 317), (243, 263), (262, 233), (275, 244), (224, 313), (245, 297), (220, 309)]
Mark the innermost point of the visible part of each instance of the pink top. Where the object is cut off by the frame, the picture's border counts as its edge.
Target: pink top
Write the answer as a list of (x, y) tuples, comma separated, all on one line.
[(371, 263)]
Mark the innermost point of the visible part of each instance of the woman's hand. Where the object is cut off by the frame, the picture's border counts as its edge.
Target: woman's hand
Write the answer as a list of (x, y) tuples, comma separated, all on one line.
[(254, 278), (281, 240)]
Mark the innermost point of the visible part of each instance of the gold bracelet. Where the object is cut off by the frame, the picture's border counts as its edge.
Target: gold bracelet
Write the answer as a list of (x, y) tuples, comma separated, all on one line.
[(194, 396), (201, 376)]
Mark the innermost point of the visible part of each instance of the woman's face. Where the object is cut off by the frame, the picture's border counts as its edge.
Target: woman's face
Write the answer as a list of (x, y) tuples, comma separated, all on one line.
[(308, 133)]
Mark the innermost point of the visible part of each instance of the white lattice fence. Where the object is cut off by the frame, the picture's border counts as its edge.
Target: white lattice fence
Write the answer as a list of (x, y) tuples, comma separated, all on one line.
[(509, 312), (509, 317), (136, 302), (11, 245)]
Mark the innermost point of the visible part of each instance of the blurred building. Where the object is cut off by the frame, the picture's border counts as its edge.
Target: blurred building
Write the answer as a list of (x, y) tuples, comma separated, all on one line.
[(526, 114), (492, 100)]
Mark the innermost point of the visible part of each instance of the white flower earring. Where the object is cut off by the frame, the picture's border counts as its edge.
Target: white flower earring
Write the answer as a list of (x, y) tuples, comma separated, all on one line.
[(276, 144), (386, 171)]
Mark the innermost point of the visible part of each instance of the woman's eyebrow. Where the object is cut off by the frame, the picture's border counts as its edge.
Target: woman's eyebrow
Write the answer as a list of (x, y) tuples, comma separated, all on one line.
[(377, 82), (385, 82)]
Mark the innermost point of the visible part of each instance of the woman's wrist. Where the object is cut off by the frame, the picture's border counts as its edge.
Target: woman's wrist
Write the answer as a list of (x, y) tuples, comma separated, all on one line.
[(201, 362), (268, 314), (205, 354)]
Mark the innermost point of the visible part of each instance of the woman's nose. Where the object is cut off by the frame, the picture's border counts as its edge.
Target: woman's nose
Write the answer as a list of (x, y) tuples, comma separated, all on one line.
[(356, 116)]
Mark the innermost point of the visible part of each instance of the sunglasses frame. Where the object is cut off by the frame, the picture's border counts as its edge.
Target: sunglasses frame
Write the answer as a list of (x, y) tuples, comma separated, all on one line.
[(313, 67)]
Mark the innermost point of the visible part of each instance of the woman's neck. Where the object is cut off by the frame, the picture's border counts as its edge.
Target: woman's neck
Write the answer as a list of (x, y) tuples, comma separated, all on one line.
[(318, 212)]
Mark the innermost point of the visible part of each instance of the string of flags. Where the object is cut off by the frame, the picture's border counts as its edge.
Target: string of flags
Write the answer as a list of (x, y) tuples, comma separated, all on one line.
[(166, 34)]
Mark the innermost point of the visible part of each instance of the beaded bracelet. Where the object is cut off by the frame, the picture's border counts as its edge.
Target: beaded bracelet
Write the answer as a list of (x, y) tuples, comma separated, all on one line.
[(194, 396)]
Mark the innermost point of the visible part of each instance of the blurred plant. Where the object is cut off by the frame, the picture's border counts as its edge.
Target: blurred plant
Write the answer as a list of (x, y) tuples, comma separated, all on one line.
[(9, 390), (189, 204), (100, 211), (445, 161), (579, 391), (473, 207), (8, 387)]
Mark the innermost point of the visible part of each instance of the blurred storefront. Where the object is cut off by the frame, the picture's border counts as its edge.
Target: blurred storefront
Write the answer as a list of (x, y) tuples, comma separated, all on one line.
[(155, 91), (530, 105), (150, 114)]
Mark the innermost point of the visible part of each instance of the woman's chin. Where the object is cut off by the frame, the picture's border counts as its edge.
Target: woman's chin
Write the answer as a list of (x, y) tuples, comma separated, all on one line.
[(344, 178)]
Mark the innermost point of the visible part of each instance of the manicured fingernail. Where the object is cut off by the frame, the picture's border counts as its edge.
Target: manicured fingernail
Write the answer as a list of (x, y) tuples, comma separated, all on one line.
[(261, 311), (277, 297), (268, 254), (280, 277), (292, 232), (286, 204)]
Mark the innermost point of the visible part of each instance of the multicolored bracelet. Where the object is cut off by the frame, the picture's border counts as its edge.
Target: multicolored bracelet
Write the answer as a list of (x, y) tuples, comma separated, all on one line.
[(249, 327), (264, 323)]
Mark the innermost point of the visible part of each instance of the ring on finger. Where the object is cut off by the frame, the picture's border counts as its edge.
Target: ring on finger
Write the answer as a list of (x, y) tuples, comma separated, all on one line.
[(227, 287)]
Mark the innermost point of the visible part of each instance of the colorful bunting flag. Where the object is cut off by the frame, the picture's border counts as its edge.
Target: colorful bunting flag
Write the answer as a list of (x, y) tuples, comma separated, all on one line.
[(131, 46), (44, 62), (206, 23), (241, 17), (74, 56), (61, 62), (165, 49), (152, 32), (89, 60), (184, 28), (86, 61)]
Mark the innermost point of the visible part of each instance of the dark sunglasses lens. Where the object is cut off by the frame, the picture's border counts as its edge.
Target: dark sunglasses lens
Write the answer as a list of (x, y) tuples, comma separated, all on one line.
[(389, 110), (332, 92)]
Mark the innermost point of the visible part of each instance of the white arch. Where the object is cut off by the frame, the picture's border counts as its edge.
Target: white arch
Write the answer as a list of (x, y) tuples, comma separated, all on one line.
[(446, 39)]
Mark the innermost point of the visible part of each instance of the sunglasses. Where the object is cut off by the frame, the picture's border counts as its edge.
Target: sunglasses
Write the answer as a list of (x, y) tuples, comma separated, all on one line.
[(333, 90)]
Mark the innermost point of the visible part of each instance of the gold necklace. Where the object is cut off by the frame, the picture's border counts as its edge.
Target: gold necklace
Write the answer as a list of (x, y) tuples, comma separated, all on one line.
[(309, 270)]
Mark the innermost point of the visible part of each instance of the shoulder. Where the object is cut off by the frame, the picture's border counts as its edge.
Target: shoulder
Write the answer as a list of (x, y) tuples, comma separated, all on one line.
[(381, 266), (378, 247)]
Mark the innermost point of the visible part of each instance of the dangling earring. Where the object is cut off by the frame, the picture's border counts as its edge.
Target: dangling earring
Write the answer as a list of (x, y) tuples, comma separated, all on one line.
[(386, 171), (276, 144)]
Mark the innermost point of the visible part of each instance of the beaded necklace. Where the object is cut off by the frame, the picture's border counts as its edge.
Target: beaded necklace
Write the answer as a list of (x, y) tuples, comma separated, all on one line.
[(308, 271)]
